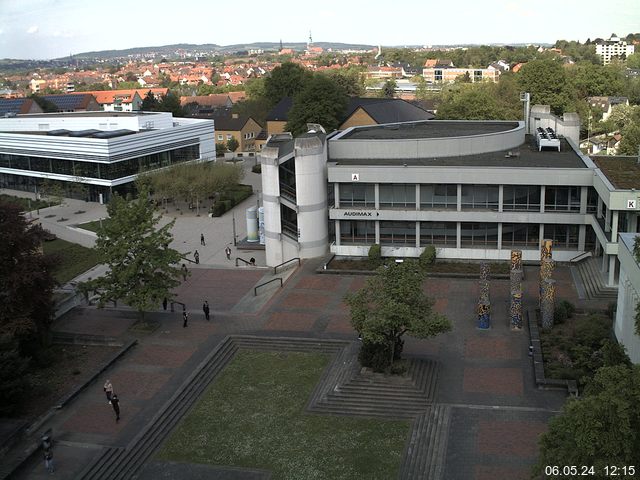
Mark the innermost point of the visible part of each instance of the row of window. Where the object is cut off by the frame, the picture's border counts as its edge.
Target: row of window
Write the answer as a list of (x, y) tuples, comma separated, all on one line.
[(106, 171), (444, 234), (481, 197)]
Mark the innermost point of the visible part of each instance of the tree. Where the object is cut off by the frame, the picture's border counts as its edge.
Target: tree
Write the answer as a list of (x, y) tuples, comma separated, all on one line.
[(170, 103), (630, 140), (47, 106), (475, 102), (600, 429), (150, 103), (220, 149), (13, 382), (142, 267), (320, 101), (232, 144), (285, 81), (633, 60), (546, 81), (389, 88), (393, 303), (26, 282)]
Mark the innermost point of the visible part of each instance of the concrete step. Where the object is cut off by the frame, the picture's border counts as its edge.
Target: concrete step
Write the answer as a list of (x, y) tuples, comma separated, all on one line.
[(365, 411), (593, 280)]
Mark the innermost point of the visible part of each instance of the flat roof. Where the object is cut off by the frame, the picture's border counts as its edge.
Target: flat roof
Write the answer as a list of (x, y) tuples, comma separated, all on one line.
[(622, 172), (428, 129), (99, 113), (526, 155)]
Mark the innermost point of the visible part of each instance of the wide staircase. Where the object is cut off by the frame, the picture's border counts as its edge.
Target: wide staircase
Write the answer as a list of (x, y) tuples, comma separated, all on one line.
[(594, 280)]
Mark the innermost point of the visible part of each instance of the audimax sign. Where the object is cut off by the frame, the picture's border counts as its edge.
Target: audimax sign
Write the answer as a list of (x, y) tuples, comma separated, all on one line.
[(360, 213)]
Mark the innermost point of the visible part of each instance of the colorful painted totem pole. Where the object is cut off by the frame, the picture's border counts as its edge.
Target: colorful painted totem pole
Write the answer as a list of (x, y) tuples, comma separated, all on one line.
[(515, 283), (547, 305), (484, 305)]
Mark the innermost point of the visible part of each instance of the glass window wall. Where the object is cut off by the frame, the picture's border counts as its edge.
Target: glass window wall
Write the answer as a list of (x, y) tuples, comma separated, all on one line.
[(398, 233), (521, 198), (397, 195), (357, 195), (562, 199), (480, 197), (439, 196), (563, 236), (438, 233), (520, 235), (354, 232), (479, 235)]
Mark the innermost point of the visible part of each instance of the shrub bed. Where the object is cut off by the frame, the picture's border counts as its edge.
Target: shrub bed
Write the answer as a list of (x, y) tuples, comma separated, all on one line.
[(229, 198)]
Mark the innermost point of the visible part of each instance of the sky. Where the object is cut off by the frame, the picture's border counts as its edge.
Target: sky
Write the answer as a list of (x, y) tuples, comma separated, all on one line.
[(44, 29)]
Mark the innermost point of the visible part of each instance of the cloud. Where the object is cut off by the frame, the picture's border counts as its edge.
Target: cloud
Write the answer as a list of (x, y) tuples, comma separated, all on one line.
[(33, 29), (62, 34)]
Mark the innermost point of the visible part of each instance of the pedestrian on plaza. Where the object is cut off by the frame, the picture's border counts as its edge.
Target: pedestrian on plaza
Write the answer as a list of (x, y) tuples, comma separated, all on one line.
[(108, 390), (164, 304), (202, 239), (252, 262), (196, 255), (48, 460), (185, 318), (115, 403), (185, 272), (227, 251), (205, 309)]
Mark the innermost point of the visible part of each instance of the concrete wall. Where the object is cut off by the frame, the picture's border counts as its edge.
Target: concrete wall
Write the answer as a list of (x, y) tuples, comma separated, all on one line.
[(628, 297)]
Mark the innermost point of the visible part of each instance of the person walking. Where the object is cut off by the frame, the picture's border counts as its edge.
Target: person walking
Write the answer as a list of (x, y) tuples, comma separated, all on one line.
[(252, 262), (115, 403), (108, 390), (227, 251), (205, 309), (196, 256), (185, 272), (185, 318), (48, 460), (164, 304), (202, 240)]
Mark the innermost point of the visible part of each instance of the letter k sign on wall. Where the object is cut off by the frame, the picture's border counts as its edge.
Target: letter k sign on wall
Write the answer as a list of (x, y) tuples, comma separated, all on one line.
[(631, 204), (355, 177)]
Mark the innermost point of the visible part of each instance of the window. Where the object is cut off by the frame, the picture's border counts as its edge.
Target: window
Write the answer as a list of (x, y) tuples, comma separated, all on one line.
[(357, 195), (397, 195), (562, 199), (439, 196), (220, 137), (592, 200), (398, 233), (479, 235), (229, 136), (437, 75), (521, 198), (438, 233), (520, 235), (563, 236), (480, 197), (355, 232)]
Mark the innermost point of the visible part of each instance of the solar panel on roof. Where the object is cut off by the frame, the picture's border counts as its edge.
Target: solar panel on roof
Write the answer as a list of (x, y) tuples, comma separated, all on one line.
[(83, 133), (113, 133), (59, 133)]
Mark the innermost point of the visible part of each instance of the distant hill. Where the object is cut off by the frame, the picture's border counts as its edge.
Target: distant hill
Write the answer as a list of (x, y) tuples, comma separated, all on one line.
[(212, 48)]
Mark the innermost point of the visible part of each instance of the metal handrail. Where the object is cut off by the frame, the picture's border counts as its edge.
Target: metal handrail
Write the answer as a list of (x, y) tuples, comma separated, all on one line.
[(284, 263), (242, 260), (255, 290), (583, 254)]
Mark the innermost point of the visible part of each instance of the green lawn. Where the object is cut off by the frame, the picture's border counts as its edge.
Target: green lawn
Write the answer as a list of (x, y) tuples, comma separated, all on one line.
[(74, 259), (253, 416), (92, 226), (24, 203)]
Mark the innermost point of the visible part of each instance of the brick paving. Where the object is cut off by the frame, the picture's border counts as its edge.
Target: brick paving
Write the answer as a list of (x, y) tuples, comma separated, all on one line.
[(498, 414)]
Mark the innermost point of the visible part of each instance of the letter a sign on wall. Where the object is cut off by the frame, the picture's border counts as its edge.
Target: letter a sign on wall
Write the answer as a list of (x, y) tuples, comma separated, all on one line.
[(355, 177)]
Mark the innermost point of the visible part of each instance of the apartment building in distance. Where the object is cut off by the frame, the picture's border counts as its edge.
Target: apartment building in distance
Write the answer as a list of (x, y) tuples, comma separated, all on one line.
[(612, 48), (447, 73)]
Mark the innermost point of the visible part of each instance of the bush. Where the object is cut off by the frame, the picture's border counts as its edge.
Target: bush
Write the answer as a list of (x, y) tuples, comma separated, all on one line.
[(375, 256), (428, 256), (218, 208), (257, 168), (560, 313), (569, 307)]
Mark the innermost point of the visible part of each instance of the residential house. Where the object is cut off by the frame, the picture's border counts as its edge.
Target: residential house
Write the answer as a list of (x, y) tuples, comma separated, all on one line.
[(449, 74), (241, 127), (605, 144), (17, 106), (606, 104), (117, 100), (206, 104), (76, 102), (385, 72)]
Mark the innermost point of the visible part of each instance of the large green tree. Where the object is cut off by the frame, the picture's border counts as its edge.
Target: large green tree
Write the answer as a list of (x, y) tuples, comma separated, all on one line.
[(393, 303), (26, 282), (285, 81), (547, 82), (320, 101), (477, 102), (601, 429), (142, 269)]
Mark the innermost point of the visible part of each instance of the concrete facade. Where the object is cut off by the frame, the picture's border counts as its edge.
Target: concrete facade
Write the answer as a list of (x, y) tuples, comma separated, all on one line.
[(628, 297)]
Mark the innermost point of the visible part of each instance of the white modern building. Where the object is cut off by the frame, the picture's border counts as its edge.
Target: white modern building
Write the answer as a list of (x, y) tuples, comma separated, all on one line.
[(473, 189), (613, 48), (628, 297), (104, 150)]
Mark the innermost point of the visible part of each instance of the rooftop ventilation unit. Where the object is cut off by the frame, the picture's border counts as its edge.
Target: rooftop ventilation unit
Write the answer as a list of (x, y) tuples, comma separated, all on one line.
[(547, 138)]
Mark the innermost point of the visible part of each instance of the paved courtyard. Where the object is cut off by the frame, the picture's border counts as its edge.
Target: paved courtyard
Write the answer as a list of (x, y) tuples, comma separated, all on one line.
[(486, 376)]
